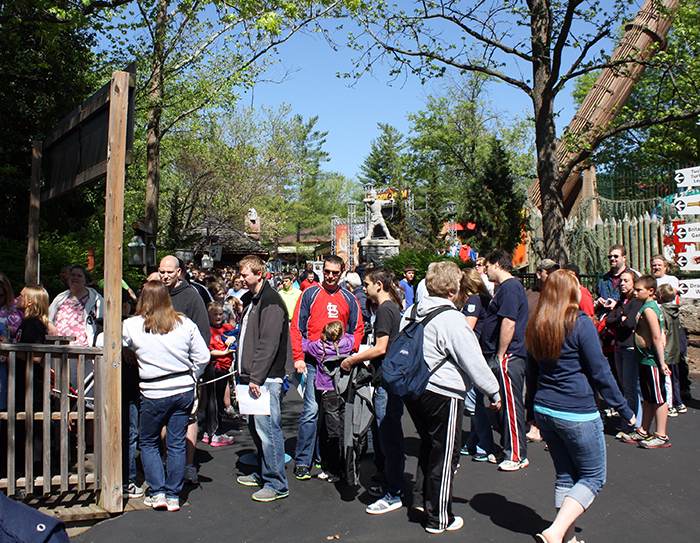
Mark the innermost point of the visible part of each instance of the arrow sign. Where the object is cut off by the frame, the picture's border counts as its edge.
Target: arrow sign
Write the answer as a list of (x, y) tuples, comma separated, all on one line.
[(689, 288), (688, 177), (689, 261), (689, 232), (688, 205)]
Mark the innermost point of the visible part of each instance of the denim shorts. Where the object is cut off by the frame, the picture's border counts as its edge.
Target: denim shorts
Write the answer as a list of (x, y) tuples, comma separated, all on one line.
[(578, 451)]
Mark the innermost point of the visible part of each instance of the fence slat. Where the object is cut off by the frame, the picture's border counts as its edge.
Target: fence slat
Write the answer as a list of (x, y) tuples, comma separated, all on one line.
[(64, 424), (11, 424), (46, 431), (29, 424), (81, 422)]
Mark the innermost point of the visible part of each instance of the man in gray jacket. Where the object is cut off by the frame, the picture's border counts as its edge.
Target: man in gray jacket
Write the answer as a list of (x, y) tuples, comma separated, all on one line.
[(264, 359), (437, 413)]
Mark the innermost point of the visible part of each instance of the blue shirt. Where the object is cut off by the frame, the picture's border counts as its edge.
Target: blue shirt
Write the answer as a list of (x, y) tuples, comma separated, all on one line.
[(567, 385), (408, 291), (476, 307), (510, 302)]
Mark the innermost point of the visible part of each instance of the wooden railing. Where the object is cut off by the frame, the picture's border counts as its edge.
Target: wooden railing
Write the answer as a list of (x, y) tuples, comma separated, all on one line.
[(49, 412)]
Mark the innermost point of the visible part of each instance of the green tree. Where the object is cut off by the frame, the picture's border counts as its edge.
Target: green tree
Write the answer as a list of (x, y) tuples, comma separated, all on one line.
[(48, 70), (497, 205), (535, 46), (659, 145), (198, 55)]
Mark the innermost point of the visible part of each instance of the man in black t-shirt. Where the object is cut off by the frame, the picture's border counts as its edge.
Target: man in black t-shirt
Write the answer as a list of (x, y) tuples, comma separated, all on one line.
[(503, 345)]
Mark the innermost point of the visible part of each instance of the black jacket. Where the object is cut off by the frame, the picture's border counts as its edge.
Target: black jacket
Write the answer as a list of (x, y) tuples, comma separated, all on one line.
[(187, 300), (266, 347)]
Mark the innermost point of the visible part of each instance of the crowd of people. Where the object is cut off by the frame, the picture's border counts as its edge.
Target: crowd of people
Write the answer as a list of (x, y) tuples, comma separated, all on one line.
[(536, 356)]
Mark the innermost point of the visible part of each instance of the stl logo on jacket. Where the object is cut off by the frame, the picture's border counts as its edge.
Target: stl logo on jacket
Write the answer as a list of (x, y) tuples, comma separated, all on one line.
[(333, 312)]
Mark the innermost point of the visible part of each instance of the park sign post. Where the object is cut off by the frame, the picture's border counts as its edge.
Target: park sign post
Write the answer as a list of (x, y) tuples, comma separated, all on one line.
[(92, 142), (689, 288), (687, 205), (688, 177)]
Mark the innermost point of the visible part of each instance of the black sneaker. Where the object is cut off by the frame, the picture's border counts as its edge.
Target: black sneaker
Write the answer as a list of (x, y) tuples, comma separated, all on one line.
[(302, 473)]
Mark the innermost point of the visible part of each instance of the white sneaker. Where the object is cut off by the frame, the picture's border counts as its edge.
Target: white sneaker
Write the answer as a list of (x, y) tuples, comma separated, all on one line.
[(191, 475), (157, 501), (510, 465), (457, 523), (133, 491), (173, 504)]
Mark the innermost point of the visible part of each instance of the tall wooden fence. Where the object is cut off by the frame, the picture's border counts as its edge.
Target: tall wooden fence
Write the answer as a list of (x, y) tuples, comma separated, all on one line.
[(50, 426), (642, 237)]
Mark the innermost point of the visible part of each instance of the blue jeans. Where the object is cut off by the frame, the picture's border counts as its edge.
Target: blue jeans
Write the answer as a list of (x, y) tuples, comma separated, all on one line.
[(267, 434), (130, 439), (480, 436), (308, 422), (628, 374), (388, 410), (578, 453), (172, 412)]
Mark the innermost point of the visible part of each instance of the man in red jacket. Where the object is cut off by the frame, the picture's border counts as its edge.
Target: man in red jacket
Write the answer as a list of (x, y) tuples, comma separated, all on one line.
[(319, 304)]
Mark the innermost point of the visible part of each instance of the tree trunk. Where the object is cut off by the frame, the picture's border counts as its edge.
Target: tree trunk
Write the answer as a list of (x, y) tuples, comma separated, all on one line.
[(155, 112), (555, 245)]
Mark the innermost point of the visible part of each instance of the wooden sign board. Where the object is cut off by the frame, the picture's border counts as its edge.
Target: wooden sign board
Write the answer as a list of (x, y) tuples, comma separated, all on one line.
[(75, 152)]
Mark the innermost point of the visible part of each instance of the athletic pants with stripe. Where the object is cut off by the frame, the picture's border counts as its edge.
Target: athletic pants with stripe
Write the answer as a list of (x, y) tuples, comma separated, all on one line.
[(512, 412), (438, 420)]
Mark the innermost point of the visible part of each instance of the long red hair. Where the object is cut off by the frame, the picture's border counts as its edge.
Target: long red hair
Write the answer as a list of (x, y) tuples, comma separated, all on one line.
[(156, 308), (554, 317)]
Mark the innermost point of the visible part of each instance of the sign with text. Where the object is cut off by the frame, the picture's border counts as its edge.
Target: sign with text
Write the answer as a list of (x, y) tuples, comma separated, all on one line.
[(688, 177), (687, 205), (689, 288), (688, 232), (689, 260)]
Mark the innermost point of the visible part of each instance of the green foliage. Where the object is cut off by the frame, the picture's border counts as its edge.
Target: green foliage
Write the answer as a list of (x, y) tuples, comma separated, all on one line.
[(48, 70), (419, 260), (668, 85)]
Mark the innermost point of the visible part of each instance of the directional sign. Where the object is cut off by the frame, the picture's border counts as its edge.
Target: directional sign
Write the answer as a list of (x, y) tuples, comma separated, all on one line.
[(688, 177), (688, 232), (688, 205), (689, 288), (689, 261)]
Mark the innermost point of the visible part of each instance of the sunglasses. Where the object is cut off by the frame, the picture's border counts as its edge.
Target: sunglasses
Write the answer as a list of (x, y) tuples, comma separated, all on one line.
[(333, 273)]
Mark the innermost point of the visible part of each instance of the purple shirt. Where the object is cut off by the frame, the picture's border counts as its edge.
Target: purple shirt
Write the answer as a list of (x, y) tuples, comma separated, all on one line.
[(320, 349)]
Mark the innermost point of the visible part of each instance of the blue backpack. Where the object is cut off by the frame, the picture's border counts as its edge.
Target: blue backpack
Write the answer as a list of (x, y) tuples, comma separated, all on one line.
[(404, 371)]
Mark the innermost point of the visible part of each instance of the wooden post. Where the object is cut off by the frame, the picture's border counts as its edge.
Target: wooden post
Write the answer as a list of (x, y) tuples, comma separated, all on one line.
[(109, 375), (31, 267), (589, 190)]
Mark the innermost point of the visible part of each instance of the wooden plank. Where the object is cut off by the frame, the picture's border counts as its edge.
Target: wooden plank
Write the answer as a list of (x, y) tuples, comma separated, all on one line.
[(79, 115), (72, 415), (64, 385), (11, 425), (31, 268), (81, 423), (53, 349), (109, 371), (82, 178), (29, 424), (46, 428)]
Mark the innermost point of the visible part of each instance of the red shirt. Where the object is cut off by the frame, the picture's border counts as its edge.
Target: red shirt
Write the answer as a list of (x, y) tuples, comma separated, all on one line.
[(586, 304), (221, 363)]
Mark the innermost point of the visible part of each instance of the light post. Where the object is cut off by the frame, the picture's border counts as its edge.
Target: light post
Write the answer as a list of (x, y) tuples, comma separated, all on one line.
[(451, 206), (352, 207), (334, 225)]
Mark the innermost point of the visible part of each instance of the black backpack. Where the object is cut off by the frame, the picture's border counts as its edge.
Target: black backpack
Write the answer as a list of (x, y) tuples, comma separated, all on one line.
[(404, 371)]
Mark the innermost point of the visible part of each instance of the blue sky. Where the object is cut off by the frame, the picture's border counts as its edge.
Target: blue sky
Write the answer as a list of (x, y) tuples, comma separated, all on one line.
[(350, 114)]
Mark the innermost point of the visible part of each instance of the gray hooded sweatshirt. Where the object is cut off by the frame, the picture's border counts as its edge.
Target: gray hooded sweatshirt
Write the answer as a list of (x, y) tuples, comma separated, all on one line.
[(448, 336)]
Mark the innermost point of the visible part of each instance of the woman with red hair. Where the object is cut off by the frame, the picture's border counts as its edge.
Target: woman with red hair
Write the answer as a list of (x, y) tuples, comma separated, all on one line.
[(566, 367)]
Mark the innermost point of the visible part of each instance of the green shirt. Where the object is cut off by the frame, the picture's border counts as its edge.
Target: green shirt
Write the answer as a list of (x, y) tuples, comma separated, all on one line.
[(647, 356)]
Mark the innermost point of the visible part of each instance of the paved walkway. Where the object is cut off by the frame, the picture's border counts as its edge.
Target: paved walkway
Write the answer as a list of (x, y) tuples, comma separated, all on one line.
[(650, 496)]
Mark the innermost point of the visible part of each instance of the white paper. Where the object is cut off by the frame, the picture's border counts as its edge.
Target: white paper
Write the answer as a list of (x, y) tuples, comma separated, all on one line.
[(247, 405)]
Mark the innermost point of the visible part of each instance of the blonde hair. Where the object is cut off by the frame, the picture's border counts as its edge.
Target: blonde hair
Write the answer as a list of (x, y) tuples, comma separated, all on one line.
[(333, 332), (471, 284), (254, 263), (443, 278), (36, 301)]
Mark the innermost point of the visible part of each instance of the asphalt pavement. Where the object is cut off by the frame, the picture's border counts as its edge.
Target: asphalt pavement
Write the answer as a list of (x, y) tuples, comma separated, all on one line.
[(650, 496)]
